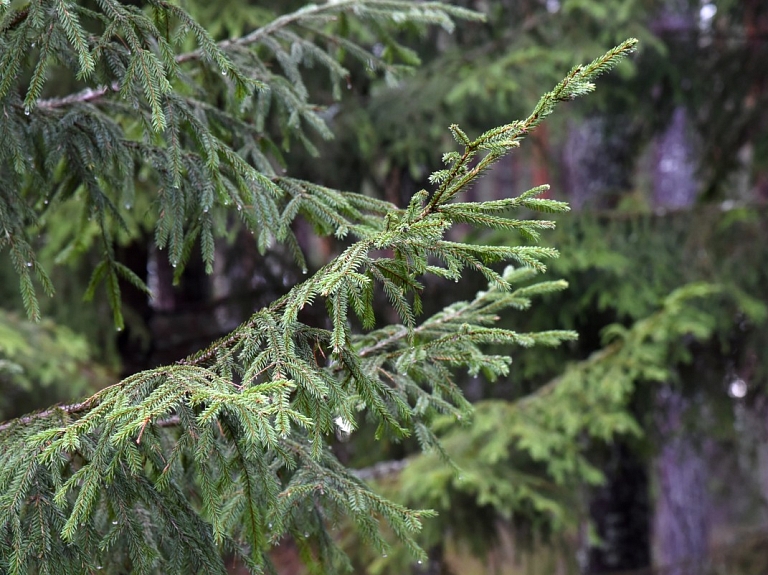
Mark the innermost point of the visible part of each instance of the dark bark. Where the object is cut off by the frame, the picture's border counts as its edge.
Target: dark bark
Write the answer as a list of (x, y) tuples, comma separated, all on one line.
[(682, 514), (681, 522), (596, 163), (597, 160), (620, 512), (132, 343), (180, 319), (435, 563)]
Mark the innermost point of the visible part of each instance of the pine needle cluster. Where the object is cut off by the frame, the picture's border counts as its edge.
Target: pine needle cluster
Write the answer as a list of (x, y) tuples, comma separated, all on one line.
[(225, 453)]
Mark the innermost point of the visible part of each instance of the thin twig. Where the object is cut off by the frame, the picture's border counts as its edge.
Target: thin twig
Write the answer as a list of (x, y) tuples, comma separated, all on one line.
[(380, 470), (87, 95), (68, 409)]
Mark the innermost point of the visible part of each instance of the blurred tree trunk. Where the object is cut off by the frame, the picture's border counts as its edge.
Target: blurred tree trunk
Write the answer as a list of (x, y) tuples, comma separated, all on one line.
[(435, 563), (682, 513), (620, 512), (597, 162), (681, 518), (597, 165)]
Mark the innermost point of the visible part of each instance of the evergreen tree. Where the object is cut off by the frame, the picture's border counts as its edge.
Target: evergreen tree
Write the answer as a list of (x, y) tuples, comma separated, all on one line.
[(224, 453)]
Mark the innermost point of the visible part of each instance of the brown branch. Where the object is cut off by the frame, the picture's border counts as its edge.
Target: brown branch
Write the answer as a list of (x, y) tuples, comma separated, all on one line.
[(380, 470), (69, 409)]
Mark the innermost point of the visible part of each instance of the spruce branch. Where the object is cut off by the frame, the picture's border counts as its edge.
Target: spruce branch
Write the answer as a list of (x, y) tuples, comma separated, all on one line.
[(499, 140), (306, 14), (225, 449), (203, 157)]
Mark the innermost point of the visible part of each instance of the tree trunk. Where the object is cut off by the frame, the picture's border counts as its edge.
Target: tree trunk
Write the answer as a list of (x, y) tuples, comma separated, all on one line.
[(681, 524), (435, 563), (597, 165), (681, 521), (620, 513)]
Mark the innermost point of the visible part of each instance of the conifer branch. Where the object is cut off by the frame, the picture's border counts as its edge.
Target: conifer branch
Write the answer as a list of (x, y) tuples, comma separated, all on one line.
[(578, 82), (225, 449), (189, 144), (277, 24), (306, 13)]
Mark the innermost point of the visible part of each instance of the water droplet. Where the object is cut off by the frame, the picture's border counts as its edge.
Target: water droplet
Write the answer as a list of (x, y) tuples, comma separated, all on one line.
[(456, 280), (114, 523), (419, 561), (304, 271), (269, 525), (306, 534), (384, 555), (46, 202), (223, 72), (738, 388), (135, 105), (205, 209), (29, 264), (119, 328), (173, 264), (26, 111), (707, 12), (127, 206), (32, 45)]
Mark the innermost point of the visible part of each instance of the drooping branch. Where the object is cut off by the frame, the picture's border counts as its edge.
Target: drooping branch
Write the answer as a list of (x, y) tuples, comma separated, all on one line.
[(310, 11), (274, 26)]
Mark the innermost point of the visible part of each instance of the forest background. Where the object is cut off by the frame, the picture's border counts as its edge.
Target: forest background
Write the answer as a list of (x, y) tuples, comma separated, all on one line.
[(666, 170)]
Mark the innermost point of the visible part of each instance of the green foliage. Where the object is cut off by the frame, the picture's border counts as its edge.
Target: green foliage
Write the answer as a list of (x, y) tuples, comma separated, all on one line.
[(42, 356), (225, 452), (621, 266), (153, 112), (496, 68), (478, 74), (685, 294), (524, 462)]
